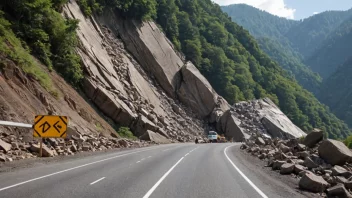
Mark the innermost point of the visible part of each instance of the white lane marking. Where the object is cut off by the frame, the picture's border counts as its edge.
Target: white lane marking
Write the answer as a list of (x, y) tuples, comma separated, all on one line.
[(138, 162), (42, 177), (97, 181), (186, 154), (149, 156), (165, 149), (142, 159), (161, 179), (244, 176), (193, 149)]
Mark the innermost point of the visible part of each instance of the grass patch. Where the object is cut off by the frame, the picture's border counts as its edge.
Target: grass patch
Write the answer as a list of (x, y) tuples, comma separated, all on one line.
[(125, 132), (12, 48), (98, 127)]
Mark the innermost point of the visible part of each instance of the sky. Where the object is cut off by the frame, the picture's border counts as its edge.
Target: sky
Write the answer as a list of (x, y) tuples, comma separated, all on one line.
[(293, 9)]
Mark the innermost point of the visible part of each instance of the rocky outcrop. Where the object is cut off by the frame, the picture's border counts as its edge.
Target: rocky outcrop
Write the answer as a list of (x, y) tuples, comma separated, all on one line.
[(229, 125), (335, 152), (257, 116), (196, 92), (154, 137), (150, 47), (133, 91)]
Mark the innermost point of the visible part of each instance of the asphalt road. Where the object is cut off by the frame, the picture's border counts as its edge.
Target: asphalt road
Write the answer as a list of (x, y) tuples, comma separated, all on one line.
[(166, 171)]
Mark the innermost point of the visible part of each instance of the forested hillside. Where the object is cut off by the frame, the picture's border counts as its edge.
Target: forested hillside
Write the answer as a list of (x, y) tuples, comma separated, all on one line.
[(270, 32), (320, 43), (311, 32), (337, 92), (334, 51), (226, 54), (290, 61), (259, 23)]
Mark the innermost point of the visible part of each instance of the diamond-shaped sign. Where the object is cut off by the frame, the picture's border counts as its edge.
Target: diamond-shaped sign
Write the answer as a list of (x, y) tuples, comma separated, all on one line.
[(49, 126)]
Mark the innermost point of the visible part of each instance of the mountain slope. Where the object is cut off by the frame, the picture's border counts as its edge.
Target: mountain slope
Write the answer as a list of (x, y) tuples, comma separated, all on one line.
[(270, 32), (337, 92), (223, 51), (290, 61), (308, 36), (259, 23), (334, 51)]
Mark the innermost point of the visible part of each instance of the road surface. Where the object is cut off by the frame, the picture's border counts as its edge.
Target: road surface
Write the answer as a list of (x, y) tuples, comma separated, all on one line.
[(165, 171)]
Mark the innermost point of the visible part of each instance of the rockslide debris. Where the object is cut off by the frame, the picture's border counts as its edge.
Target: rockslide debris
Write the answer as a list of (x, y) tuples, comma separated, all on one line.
[(322, 166)]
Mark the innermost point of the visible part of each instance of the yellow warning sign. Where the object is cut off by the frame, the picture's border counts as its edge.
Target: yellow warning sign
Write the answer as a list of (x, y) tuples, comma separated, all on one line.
[(48, 126)]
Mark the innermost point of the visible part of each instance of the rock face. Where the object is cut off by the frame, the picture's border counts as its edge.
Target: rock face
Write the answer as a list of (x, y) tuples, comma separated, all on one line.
[(134, 91), (334, 152), (313, 137), (154, 137), (313, 183), (258, 116), (229, 124), (196, 92)]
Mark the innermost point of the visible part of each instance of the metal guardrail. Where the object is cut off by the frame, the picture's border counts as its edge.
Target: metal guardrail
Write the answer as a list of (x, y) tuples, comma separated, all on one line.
[(15, 124)]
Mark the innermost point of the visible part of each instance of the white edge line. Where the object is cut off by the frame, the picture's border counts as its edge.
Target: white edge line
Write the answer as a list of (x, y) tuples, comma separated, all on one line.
[(161, 179), (97, 181), (244, 176), (42, 177), (186, 154)]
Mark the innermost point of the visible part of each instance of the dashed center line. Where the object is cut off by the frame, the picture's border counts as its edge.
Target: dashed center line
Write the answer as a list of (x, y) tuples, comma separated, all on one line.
[(97, 181), (186, 154), (166, 150), (142, 159), (149, 156), (138, 162)]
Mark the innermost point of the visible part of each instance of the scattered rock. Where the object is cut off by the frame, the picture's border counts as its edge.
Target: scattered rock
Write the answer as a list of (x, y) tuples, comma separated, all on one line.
[(313, 183), (277, 164), (5, 146), (315, 136), (339, 190), (46, 152), (309, 163), (260, 141), (123, 143), (287, 168), (298, 168), (334, 152)]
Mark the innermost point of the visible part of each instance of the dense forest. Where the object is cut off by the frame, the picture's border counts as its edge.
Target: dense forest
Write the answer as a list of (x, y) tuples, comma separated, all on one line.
[(290, 61), (334, 51), (337, 92), (270, 32), (227, 55)]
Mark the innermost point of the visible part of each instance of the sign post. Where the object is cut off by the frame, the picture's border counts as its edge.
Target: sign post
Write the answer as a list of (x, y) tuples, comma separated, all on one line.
[(49, 126), (41, 148), (45, 126)]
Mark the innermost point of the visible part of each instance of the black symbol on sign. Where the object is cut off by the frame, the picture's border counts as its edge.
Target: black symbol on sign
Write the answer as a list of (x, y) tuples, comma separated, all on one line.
[(57, 127), (45, 127)]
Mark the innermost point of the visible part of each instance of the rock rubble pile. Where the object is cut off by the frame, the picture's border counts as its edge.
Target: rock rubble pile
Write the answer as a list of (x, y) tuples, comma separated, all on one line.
[(322, 166)]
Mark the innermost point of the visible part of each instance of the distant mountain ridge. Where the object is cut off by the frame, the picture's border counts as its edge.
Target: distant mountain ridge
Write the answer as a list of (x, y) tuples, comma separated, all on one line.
[(317, 46)]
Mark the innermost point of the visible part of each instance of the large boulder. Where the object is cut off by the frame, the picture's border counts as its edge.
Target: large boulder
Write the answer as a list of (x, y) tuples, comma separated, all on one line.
[(142, 125), (313, 183), (338, 191), (276, 122), (154, 137), (315, 136), (5, 146), (229, 124), (287, 168), (334, 152), (196, 92), (108, 103)]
